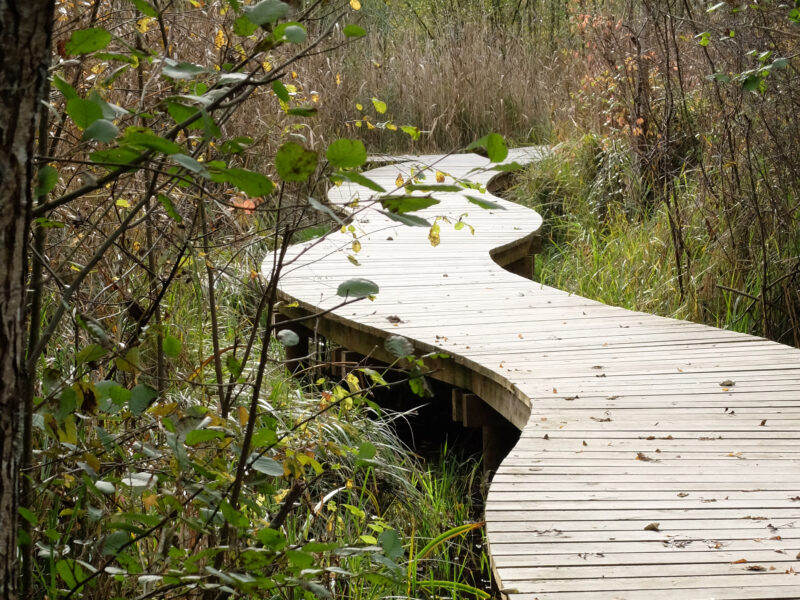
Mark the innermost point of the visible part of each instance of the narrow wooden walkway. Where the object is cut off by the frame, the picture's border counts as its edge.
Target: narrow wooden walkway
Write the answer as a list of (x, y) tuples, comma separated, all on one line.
[(659, 459)]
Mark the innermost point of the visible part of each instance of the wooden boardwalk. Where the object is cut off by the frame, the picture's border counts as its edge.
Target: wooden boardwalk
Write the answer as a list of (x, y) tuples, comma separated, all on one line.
[(658, 459)]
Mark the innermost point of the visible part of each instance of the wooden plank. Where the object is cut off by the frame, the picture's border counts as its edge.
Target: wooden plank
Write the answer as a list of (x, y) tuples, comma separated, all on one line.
[(625, 421)]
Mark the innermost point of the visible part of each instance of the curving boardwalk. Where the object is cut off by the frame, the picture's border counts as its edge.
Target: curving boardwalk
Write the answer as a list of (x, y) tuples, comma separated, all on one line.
[(658, 459)]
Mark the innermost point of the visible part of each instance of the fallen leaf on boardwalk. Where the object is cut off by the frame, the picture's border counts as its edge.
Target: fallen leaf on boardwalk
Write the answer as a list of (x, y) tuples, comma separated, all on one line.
[(555, 391), (683, 494), (584, 443), (644, 457), (740, 561), (763, 423), (756, 568), (394, 319), (795, 498), (546, 437), (652, 527), (727, 383), (605, 420)]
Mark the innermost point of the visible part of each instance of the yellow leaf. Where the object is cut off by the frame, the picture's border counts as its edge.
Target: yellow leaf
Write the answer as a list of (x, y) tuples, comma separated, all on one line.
[(149, 499), (358, 123), (267, 66), (143, 24), (433, 235), (243, 416), (338, 79), (356, 246), (92, 461), (359, 106), (294, 74), (391, 127), (439, 177), (122, 203), (370, 125), (399, 181), (355, 4), (219, 41)]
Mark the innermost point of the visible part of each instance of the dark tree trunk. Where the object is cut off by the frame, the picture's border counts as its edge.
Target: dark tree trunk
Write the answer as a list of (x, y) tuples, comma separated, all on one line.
[(25, 29)]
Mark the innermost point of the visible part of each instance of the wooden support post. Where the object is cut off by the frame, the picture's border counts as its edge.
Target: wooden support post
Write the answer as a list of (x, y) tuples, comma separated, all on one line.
[(348, 360), (297, 356), (499, 435)]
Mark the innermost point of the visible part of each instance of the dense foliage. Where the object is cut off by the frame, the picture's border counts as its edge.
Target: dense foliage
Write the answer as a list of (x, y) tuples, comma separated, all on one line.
[(166, 451)]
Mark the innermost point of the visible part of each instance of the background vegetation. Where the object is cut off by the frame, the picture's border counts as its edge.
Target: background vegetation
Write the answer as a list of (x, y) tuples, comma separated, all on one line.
[(167, 453)]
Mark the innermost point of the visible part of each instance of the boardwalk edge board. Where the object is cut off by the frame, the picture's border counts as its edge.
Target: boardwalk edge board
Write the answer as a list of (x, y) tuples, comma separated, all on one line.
[(658, 458)]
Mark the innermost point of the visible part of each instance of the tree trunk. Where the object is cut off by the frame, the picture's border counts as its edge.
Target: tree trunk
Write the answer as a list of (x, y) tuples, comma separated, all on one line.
[(25, 29)]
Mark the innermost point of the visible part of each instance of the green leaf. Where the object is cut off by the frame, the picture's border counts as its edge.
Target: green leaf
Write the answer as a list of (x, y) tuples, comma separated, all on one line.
[(266, 11), (182, 70), (780, 64), (28, 515), (47, 178), (704, 38), (358, 179), (346, 153), (754, 83), (379, 105), (171, 346), (357, 288), (391, 544), (280, 90), (721, 77), (414, 132), (319, 206), (234, 365), (84, 41), (122, 155), (188, 163), (141, 397), (166, 202), (367, 451), (494, 145), (404, 204), (181, 112), (235, 145), (83, 112), (410, 220), (90, 353), (143, 137), (198, 436), (233, 516), (508, 167), (111, 390), (303, 111), (433, 187), (292, 31), (354, 31), (268, 466), (145, 8), (251, 183), (244, 27), (300, 560), (484, 203), (115, 541), (101, 130), (66, 89), (287, 337), (295, 163), (398, 346)]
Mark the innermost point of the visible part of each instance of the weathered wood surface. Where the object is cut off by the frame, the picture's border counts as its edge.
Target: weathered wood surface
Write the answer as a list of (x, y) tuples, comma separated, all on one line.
[(658, 458)]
